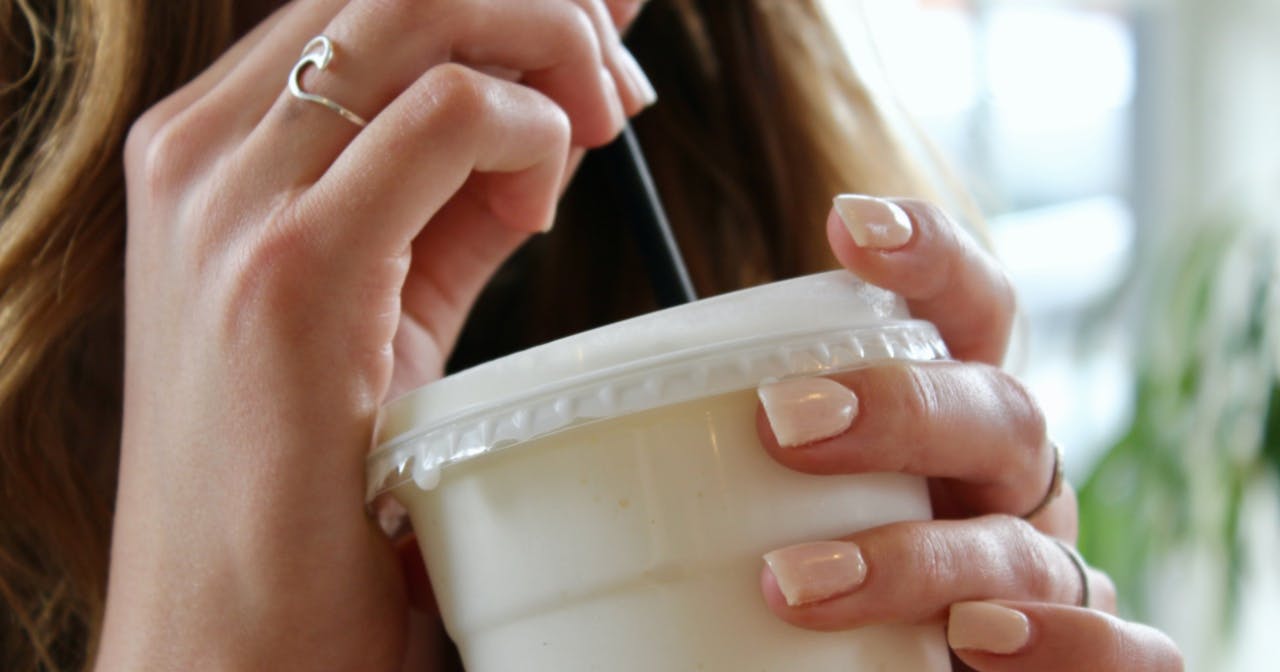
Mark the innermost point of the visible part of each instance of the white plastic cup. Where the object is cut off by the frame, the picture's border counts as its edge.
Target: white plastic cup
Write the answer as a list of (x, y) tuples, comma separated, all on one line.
[(603, 502)]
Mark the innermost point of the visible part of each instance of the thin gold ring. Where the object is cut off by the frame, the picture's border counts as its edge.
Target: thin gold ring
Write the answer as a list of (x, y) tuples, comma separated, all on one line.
[(320, 59), (1055, 483)]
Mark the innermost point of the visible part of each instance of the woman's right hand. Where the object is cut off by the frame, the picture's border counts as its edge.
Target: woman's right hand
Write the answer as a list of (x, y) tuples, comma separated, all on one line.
[(997, 562), (285, 269)]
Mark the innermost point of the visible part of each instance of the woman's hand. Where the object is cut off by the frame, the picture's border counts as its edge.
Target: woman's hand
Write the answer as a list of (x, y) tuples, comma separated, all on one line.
[(286, 268), (1010, 586)]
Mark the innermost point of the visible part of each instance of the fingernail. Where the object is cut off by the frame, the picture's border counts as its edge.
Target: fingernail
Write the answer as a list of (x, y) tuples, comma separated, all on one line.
[(987, 627), (617, 114), (805, 410), (640, 83), (812, 572), (874, 222)]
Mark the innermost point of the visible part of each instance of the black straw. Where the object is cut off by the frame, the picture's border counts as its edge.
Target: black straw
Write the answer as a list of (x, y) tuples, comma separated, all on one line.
[(638, 203)]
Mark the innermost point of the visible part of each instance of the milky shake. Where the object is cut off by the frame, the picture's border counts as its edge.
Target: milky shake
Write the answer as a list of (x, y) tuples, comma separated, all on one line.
[(603, 502)]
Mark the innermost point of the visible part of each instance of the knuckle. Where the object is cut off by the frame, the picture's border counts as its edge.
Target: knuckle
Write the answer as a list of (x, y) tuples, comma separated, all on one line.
[(456, 94), (1000, 299), (967, 260), (1026, 419), (923, 398), (162, 151), (918, 563), (402, 12), (1044, 571), (148, 124), (153, 153), (139, 138), (915, 398), (575, 28), (936, 568), (1032, 425), (932, 224), (1006, 296)]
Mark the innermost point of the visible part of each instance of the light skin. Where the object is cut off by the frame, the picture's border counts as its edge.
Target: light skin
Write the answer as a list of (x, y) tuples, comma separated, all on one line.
[(286, 271)]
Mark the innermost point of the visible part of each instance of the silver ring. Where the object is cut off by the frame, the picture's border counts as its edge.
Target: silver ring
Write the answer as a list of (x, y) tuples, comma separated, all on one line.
[(320, 59), (1055, 483), (1081, 568)]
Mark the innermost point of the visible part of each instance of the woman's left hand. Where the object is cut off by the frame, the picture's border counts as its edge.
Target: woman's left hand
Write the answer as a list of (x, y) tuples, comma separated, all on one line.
[(1014, 593)]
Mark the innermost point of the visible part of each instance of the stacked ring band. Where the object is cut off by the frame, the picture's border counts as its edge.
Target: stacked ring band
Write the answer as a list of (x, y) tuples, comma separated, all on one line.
[(1055, 483)]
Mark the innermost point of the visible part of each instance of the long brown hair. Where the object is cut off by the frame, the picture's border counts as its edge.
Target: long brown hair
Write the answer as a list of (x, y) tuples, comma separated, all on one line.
[(761, 121), (74, 74)]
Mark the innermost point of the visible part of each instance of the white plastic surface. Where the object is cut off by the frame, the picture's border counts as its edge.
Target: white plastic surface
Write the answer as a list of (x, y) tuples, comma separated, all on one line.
[(634, 544), (807, 326)]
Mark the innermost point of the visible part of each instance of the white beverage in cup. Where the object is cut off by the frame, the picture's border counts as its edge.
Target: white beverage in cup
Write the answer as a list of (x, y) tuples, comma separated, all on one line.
[(602, 502)]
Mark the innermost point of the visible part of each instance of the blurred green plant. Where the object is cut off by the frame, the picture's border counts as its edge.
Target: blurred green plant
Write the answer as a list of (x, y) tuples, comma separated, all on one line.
[(1206, 422)]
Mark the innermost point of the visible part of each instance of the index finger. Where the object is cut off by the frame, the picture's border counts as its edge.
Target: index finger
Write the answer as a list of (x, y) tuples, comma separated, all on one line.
[(913, 248), (971, 427)]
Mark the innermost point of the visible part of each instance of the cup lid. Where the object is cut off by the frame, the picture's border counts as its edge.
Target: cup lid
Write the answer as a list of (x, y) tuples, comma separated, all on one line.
[(807, 326)]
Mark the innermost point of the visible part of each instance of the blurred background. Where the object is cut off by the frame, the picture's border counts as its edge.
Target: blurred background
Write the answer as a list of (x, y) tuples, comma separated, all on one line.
[(1128, 156)]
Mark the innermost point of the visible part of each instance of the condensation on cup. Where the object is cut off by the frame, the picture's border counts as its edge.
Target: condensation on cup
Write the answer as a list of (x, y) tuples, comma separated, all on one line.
[(602, 502)]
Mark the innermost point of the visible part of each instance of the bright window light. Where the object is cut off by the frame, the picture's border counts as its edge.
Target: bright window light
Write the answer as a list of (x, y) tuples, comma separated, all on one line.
[(1056, 65)]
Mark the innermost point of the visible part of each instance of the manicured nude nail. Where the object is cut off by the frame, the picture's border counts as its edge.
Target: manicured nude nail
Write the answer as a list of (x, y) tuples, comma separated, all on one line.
[(813, 572), (805, 410), (639, 80), (987, 627), (874, 222)]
